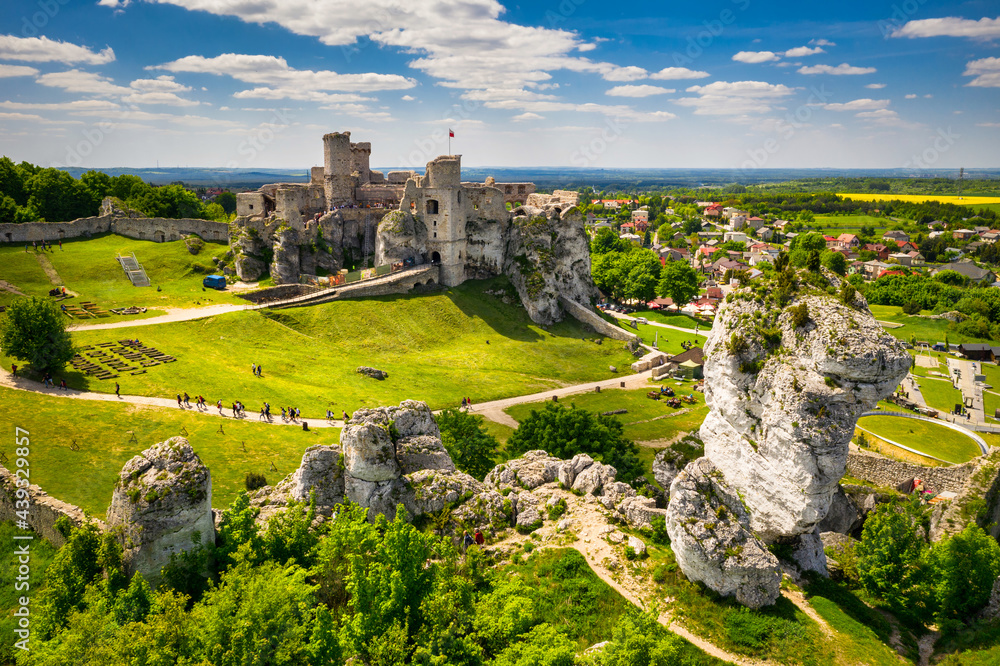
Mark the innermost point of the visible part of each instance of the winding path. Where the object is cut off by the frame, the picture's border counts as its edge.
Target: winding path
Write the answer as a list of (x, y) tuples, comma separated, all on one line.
[(983, 446)]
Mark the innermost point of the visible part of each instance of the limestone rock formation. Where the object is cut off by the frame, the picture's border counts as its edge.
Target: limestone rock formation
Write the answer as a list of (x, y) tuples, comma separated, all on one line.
[(786, 386), (321, 471), (372, 372), (593, 479), (162, 498), (665, 468), (529, 471), (843, 516), (400, 237), (568, 470), (285, 267), (781, 434), (548, 256), (712, 540), (248, 251)]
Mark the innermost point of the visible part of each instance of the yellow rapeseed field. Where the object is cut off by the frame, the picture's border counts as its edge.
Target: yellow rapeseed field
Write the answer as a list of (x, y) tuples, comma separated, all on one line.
[(943, 198)]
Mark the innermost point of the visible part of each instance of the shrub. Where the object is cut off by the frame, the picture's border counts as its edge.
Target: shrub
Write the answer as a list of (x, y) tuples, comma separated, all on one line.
[(558, 509), (847, 293), (800, 315), (912, 307), (254, 480)]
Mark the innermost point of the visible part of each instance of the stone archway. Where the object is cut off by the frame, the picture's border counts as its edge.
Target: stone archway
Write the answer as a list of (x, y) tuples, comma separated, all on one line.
[(159, 236), (432, 206), (435, 258)]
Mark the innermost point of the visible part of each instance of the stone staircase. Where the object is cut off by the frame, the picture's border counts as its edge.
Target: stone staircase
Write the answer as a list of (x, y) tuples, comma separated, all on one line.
[(134, 270)]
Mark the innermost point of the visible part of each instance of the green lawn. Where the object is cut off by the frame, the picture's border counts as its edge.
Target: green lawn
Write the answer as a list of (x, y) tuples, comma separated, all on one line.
[(638, 422), (934, 440), (666, 339), (101, 431), (89, 268), (834, 225), (675, 319), (927, 330), (939, 393), (436, 347)]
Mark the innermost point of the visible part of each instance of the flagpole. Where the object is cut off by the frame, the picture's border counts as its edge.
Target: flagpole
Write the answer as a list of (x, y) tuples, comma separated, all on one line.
[(449, 142)]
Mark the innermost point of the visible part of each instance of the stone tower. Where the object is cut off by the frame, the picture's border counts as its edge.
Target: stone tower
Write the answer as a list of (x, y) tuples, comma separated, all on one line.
[(338, 165), (443, 216)]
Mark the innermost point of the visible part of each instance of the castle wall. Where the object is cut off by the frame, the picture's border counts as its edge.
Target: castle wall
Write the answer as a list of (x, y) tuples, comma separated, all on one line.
[(43, 510), (585, 315), (884, 471), (249, 204), (54, 231), (141, 228)]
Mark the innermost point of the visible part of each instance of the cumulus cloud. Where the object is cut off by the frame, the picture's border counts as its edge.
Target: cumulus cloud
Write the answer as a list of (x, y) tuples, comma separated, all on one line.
[(821, 42), (986, 71), (842, 69), (35, 119), (630, 73), (522, 117), (8, 71), (638, 91), (75, 105), (87, 83), (725, 98), (951, 26), (408, 98), (43, 49), (875, 86), (864, 104), (800, 51), (755, 57), (910, 96), (987, 124), (678, 73)]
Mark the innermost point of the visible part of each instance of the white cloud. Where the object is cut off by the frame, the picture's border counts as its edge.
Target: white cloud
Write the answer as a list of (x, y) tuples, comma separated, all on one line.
[(275, 71), (408, 98), (35, 118), (865, 104), (878, 114), (630, 73), (951, 26), (638, 91), (43, 49), (75, 105), (886, 118), (755, 57), (677, 73), (166, 98), (928, 96), (987, 124), (801, 51), (520, 118), (821, 42), (910, 96), (840, 70), (724, 98), (8, 71), (875, 86), (986, 71), (87, 83), (159, 84)]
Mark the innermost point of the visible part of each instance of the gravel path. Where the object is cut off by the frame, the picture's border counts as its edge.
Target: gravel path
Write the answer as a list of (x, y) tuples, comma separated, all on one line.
[(173, 314)]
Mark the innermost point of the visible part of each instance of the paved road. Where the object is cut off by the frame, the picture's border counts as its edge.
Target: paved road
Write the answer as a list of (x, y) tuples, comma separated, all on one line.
[(963, 380), (702, 332), (173, 314)]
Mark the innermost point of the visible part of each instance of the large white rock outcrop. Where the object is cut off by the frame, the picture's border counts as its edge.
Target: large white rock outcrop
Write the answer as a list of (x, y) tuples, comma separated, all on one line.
[(710, 534), (162, 498), (789, 368)]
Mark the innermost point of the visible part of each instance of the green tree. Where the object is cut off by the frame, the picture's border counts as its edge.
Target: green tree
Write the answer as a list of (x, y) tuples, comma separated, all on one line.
[(12, 182), (639, 271), (679, 282), (606, 240), (965, 567), (471, 448), (544, 645), (835, 261), (8, 209), (564, 432), (889, 554), (228, 202), (813, 262), (34, 331)]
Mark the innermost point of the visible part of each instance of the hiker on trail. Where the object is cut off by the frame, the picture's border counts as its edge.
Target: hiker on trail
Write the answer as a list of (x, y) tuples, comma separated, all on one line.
[(463, 403), (253, 368), (13, 369), (219, 405), (468, 402), (467, 540), (283, 414), (480, 540), (62, 385), (298, 414), (117, 389), (260, 369), (60, 243), (179, 402), (261, 417), (187, 399)]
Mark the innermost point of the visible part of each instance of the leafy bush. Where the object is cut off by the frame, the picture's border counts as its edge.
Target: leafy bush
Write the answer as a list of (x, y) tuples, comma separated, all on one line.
[(911, 307), (557, 509), (800, 315), (254, 480)]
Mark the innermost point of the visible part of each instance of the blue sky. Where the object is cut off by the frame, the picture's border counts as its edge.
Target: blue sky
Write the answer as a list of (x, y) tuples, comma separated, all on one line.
[(584, 83)]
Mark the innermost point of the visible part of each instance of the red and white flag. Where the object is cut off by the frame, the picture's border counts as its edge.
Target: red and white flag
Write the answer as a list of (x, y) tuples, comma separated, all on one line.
[(451, 134)]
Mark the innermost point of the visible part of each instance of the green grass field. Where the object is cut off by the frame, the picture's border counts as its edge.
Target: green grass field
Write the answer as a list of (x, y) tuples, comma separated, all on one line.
[(667, 340), (834, 225), (675, 319), (89, 268), (939, 393), (927, 330), (934, 440), (647, 420), (101, 431), (436, 347)]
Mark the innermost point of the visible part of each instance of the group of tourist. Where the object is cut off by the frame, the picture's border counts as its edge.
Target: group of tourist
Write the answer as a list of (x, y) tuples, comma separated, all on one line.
[(467, 404), (256, 369), (46, 245)]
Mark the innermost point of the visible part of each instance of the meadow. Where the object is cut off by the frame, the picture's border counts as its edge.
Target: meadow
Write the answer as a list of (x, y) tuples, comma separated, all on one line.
[(935, 440), (922, 328), (88, 267), (920, 198), (834, 225), (78, 447), (438, 347)]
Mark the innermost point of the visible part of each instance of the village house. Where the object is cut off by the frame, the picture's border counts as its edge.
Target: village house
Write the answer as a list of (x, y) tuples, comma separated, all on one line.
[(755, 222), (880, 250), (735, 236), (895, 235), (963, 234), (901, 258), (871, 269), (975, 274)]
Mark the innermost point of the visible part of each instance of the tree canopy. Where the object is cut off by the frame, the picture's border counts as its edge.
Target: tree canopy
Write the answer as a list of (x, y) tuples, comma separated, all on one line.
[(471, 448), (679, 282), (34, 331)]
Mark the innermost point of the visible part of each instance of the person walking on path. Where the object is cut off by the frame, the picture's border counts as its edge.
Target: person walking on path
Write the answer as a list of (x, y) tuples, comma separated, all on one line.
[(260, 370), (253, 369), (13, 370), (466, 541), (179, 401), (187, 399), (118, 390), (219, 405), (63, 386), (60, 244), (261, 417), (480, 540)]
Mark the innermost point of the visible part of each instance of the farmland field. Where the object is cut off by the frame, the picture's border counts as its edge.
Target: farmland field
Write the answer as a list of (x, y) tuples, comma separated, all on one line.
[(920, 198)]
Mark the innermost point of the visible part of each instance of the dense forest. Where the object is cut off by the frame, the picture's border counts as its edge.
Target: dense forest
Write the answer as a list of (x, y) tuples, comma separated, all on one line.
[(29, 193)]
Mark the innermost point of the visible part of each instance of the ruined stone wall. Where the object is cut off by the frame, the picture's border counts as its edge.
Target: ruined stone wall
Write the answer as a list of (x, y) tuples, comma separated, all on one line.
[(883, 471), (161, 229), (43, 510), (279, 292), (54, 231), (585, 315), (515, 192)]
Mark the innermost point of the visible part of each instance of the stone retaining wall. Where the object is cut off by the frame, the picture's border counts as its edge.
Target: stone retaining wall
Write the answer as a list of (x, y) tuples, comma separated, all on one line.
[(884, 471), (43, 510), (587, 316), (279, 292)]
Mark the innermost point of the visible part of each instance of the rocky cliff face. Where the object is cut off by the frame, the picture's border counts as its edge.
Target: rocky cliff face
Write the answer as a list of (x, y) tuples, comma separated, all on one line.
[(400, 237), (285, 267), (547, 256), (789, 368), (163, 496)]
